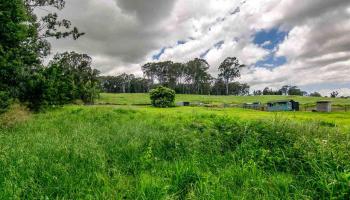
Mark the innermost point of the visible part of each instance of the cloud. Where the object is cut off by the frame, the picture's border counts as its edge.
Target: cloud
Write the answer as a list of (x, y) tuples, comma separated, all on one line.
[(317, 47), (150, 11), (121, 35)]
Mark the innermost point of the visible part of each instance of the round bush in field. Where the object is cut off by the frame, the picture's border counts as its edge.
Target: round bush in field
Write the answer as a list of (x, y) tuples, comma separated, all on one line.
[(162, 97)]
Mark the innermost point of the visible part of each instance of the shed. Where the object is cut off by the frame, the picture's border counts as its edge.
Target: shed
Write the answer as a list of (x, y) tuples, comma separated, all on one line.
[(324, 106), (283, 105), (254, 106), (183, 103)]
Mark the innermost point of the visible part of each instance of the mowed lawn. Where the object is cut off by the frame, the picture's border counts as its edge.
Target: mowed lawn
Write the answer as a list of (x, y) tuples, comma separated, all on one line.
[(140, 152), (143, 99)]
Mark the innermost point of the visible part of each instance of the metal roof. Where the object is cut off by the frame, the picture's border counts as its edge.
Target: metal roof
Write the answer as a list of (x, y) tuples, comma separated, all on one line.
[(281, 101), (324, 101)]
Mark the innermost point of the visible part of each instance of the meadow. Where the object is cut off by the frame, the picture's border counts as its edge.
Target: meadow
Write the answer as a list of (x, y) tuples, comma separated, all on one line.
[(143, 99), (140, 152)]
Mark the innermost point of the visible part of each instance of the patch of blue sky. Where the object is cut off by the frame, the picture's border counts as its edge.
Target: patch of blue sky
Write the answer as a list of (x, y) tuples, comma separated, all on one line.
[(271, 61), (162, 50), (219, 44), (205, 53), (181, 42), (270, 39), (158, 55)]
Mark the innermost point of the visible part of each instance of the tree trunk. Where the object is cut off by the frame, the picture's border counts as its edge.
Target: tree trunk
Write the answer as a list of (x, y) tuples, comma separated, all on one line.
[(123, 87), (226, 87)]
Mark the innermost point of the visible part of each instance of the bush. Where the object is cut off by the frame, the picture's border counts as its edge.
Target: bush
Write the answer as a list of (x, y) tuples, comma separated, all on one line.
[(162, 97), (5, 101)]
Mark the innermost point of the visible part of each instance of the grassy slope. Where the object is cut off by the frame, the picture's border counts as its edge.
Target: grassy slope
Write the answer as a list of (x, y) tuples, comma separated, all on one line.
[(144, 99), (340, 120), (110, 152)]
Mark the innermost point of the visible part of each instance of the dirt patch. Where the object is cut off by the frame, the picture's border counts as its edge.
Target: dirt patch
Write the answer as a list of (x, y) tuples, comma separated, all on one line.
[(16, 114)]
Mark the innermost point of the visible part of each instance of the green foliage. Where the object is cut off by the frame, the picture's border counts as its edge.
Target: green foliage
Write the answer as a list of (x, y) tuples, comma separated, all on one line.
[(79, 79), (162, 97), (191, 77), (315, 94), (334, 94), (68, 77), (5, 101), (124, 83), (197, 75), (23, 46), (51, 25), (180, 153), (229, 69), (16, 55)]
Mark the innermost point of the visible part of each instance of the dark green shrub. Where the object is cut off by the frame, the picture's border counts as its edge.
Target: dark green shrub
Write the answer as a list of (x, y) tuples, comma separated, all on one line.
[(162, 97), (5, 101)]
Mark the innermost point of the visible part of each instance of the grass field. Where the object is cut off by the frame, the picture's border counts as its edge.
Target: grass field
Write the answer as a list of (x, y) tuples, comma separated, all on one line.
[(140, 152), (142, 99)]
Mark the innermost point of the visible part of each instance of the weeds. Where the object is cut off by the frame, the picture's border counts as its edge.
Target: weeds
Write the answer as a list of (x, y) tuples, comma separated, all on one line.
[(119, 153)]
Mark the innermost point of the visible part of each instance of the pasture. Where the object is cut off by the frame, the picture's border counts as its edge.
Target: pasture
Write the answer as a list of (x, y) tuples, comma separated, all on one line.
[(140, 152), (143, 99)]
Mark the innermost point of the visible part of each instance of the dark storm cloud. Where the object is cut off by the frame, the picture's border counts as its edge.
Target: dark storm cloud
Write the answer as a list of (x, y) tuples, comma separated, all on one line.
[(301, 10), (113, 32), (150, 11)]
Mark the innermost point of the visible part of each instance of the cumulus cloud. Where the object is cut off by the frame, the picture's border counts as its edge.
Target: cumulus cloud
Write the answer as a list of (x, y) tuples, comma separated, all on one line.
[(317, 47), (123, 34)]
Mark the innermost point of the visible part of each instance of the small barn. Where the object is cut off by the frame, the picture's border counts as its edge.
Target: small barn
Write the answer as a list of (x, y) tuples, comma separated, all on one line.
[(324, 106), (283, 105), (254, 106), (183, 104)]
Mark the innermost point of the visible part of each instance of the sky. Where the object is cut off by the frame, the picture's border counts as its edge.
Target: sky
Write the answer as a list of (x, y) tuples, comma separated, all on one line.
[(282, 42)]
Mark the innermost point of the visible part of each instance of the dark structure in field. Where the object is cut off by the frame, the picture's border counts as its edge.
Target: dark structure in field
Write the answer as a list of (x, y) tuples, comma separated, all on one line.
[(254, 106), (183, 104), (283, 105), (324, 106)]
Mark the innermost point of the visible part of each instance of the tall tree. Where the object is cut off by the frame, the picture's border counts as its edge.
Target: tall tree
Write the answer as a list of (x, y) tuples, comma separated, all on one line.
[(126, 81), (284, 90), (50, 25), (16, 55), (163, 72), (315, 94), (334, 94), (229, 69), (294, 90), (84, 77), (149, 71), (197, 74), (23, 44)]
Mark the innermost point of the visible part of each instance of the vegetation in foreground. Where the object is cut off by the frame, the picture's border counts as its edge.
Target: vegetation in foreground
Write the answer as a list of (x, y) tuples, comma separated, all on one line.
[(178, 153)]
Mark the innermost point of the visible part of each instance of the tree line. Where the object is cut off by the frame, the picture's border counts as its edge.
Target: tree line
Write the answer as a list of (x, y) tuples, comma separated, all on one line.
[(293, 91), (24, 45), (192, 77), (284, 90), (69, 77)]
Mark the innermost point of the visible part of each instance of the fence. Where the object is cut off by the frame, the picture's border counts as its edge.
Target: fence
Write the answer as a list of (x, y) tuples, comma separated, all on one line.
[(335, 107), (302, 107)]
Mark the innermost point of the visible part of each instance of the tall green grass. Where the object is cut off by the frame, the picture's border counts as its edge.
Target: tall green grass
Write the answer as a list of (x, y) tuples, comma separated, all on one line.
[(127, 153)]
